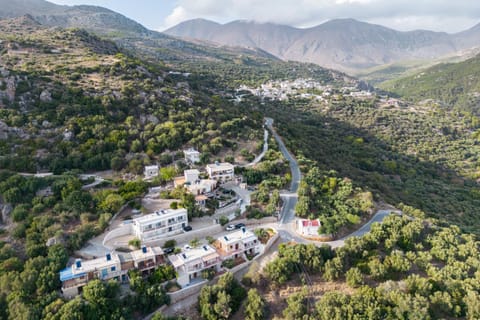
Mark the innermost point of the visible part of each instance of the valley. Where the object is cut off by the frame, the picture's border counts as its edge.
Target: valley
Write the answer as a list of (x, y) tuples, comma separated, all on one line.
[(238, 170)]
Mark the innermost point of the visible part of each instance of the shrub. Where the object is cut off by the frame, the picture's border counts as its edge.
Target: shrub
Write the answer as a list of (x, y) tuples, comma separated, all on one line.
[(223, 220), (135, 243)]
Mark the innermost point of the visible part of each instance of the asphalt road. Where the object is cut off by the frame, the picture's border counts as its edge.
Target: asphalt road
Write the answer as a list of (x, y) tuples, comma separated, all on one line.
[(289, 201)]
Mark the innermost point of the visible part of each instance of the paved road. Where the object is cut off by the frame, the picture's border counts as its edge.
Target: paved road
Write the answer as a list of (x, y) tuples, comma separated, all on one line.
[(98, 180), (289, 200), (287, 232)]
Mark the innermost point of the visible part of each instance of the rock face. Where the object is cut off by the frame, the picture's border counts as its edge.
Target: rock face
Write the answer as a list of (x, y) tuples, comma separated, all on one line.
[(45, 96), (92, 18), (6, 211), (343, 44)]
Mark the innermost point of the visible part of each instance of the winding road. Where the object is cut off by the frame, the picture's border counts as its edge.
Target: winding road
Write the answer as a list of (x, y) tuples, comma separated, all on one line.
[(287, 215)]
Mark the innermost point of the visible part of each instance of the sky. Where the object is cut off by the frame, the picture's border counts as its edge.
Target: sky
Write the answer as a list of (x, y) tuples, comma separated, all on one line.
[(438, 15)]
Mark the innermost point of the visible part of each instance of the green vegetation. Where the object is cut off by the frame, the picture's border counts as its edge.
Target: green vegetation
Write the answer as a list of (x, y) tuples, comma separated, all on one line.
[(451, 84), (414, 270), (417, 156), (332, 200), (255, 306), (117, 112), (221, 300)]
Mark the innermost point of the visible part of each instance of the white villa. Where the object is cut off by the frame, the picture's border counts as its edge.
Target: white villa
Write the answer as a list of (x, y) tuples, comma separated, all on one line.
[(223, 171), (145, 260), (111, 266), (190, 263), (238, 244), (191, 175), (191, 155), (196, 186), (150, 171), (159, 224), (75, 277), (308, 228)]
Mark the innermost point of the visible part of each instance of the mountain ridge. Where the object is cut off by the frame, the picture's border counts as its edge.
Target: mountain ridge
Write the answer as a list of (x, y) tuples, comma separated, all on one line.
[(343, 44)]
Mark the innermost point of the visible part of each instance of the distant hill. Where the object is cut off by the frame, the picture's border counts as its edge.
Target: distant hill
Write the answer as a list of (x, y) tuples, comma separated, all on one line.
[(92, 18), (343, 44), (130, 35), (451, 84)]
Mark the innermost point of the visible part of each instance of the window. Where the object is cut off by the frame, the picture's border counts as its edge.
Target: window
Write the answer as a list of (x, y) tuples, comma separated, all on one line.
[(113, 268)]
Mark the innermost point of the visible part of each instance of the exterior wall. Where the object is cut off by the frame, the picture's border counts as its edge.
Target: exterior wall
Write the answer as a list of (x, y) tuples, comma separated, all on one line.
[(150, 171), (221, 172), (192, 155), (159, 226), (191, 175)]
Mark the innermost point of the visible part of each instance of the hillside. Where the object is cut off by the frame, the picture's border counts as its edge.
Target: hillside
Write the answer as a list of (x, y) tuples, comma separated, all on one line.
[(72, 100), (92, 18), (343, 44), (230, 63), (451, 85)]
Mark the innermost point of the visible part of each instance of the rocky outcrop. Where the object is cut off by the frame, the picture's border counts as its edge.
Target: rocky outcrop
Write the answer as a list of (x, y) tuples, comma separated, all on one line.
[(6, 211), (45, 96)]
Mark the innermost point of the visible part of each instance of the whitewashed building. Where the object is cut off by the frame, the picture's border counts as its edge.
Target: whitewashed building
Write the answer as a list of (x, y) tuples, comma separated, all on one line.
[(191, 175), (111, 266), (75, 277), (191, 155), (308, 228), (150, 171), (238, 244), (159, 224), (190, 263), (221, 171)]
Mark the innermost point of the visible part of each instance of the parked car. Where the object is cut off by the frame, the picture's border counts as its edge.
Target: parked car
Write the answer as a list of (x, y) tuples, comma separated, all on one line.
[(239, 225), (230, 227), (187, 228), (168, 250), (187, 247)]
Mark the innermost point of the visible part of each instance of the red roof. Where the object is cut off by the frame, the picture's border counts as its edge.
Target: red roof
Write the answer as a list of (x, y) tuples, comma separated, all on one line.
[(311, 223)]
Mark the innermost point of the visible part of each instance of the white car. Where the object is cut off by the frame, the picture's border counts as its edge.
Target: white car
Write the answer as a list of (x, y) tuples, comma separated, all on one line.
[(230, 227)]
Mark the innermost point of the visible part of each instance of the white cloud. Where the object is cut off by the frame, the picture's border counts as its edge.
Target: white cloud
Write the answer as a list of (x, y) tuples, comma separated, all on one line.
[(441, 15)]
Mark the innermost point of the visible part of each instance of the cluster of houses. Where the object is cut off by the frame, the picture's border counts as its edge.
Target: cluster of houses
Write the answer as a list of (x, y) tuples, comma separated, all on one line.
[(301, 88), (202, 189), (188, 264)]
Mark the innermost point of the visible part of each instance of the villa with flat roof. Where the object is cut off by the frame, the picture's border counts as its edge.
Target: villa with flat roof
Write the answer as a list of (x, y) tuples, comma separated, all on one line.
[(238, 244), (191, 155), (159, 224), (190, 263), (75, 277), (221, 171), (111, 266), (150, 171)]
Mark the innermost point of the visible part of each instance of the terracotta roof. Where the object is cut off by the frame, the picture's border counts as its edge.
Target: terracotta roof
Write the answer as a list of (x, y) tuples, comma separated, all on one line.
[(311, 223)]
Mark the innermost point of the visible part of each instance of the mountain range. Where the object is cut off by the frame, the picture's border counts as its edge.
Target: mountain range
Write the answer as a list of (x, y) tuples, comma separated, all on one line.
[(343, 44)]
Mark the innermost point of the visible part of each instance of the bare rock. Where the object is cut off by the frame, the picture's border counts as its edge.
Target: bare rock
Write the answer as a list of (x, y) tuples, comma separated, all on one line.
[(45, 96), (67, 135), (6, 211)]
